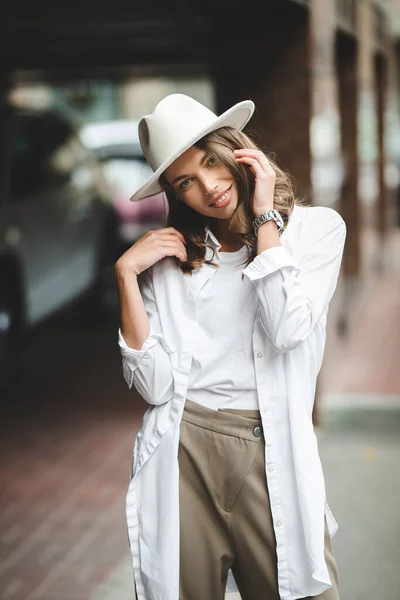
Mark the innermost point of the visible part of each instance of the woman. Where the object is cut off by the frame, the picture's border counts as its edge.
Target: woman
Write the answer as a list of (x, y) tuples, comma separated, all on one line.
[(223, 316)]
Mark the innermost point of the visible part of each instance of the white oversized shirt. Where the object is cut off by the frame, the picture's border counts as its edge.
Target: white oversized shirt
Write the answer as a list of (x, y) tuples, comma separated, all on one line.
[(294, 283)]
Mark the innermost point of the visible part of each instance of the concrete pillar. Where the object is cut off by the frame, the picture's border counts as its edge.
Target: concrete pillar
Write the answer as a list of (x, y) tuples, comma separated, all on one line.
[(270, 65), (382, 205), (324, 135), (367, 116), (392, 135), (350, 209), (324, 132)]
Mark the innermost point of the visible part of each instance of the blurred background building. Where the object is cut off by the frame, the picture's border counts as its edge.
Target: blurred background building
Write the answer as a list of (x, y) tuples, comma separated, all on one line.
[(74, 79)]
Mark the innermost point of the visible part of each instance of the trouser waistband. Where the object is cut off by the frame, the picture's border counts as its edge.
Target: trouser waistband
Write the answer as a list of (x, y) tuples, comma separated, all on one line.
[(238, 422)]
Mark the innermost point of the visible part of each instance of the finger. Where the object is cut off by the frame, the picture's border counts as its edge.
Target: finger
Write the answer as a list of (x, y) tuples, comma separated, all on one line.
[(174, 231), (175, 243), (256, 154), (176, 248), (171, 232), (172, 249), (181, 237), (253, 163), (250, 152)]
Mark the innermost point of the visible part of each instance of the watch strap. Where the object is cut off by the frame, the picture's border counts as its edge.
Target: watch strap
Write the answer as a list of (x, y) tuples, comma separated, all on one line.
[(269, 215)]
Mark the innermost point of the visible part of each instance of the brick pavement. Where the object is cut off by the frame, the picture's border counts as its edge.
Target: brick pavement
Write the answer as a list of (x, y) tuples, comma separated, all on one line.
[(62, 526)]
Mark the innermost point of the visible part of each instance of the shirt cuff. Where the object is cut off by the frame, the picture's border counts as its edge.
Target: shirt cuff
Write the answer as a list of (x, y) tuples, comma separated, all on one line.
[(268, 261), (141, 355), (152, 339)]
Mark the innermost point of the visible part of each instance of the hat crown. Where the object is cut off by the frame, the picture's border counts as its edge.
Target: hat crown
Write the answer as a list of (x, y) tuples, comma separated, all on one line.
[(176, 119)]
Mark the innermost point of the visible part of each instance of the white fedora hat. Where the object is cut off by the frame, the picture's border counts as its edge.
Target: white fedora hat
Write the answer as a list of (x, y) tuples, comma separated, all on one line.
[(177, 123)]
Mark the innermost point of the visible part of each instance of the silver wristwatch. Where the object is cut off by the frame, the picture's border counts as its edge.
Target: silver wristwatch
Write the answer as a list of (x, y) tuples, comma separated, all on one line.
[(267, 216)]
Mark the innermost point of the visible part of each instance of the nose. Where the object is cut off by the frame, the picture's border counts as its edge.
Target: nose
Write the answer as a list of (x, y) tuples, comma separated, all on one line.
[(210, 186)]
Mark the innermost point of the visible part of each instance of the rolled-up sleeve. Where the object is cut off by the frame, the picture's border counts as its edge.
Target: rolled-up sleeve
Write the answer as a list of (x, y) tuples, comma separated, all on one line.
[(149, 369), (294, 291)]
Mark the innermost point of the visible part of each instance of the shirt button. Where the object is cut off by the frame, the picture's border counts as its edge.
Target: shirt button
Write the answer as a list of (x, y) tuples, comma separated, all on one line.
[(265, 409), (270, 469), (259, 355), (279, 523)]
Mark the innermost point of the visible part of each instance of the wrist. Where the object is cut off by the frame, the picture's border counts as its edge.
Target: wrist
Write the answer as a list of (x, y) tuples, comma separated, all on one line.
[(259, 211), (267, 236), (122, 271)]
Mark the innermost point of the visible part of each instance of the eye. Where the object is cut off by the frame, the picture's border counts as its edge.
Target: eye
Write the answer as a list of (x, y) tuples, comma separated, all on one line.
[(210, 161), (184, 183)]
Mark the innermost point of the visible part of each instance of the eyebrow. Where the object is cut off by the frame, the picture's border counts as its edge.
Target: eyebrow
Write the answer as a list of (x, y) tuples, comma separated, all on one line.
[(186, 176)]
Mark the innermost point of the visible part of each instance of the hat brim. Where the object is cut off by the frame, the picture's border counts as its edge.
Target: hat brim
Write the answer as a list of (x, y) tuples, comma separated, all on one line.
[(237, 116)]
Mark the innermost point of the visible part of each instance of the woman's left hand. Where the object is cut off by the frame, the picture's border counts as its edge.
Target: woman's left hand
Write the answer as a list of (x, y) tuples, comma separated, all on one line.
[(264, 178)]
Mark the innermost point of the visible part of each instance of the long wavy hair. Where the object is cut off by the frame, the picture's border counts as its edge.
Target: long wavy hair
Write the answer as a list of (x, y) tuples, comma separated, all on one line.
[(219, 145)]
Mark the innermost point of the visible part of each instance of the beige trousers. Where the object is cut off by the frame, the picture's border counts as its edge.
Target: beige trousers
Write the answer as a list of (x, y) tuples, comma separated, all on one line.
[(225, 516)]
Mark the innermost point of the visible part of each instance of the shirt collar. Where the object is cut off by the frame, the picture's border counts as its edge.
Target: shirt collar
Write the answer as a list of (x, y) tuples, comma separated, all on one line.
[(210, 238)]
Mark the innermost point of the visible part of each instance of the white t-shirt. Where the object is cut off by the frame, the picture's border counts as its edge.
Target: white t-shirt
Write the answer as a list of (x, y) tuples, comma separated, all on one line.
[(222, 372)]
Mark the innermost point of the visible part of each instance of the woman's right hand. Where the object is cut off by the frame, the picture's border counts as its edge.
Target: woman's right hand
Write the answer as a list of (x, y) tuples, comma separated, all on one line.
[(152, 247)]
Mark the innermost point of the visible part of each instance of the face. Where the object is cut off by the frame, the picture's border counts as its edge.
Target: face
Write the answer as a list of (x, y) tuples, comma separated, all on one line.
[(200, 182)]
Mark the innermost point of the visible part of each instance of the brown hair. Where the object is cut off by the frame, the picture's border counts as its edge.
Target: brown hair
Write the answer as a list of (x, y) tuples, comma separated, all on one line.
[(220, 144)]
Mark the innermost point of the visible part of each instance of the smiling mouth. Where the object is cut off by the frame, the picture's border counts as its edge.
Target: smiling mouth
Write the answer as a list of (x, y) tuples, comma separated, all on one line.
[(222, 199)]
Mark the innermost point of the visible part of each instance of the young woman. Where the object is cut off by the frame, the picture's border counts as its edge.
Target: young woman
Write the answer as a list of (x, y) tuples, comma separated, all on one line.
[(223, 315)]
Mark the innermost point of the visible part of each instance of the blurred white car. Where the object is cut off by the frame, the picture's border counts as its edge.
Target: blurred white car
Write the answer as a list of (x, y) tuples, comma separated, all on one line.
[(116, 145)]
